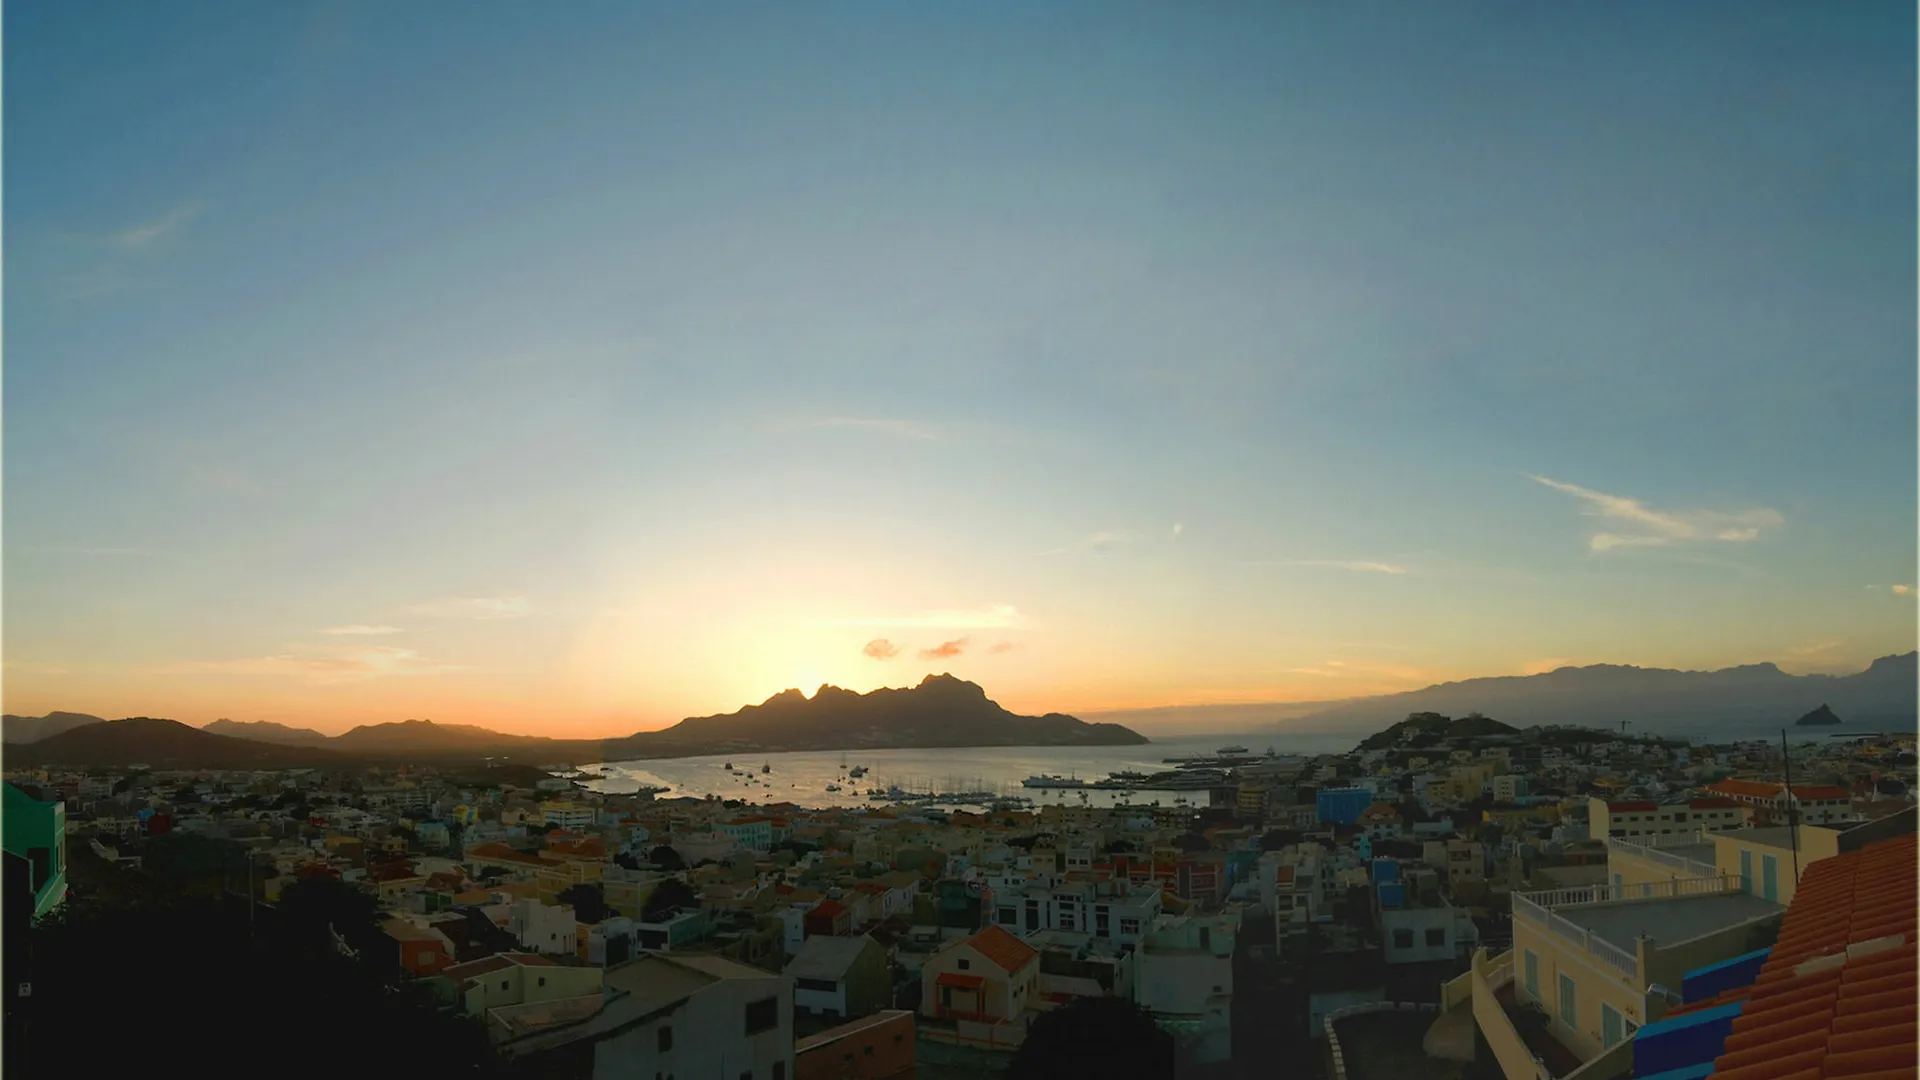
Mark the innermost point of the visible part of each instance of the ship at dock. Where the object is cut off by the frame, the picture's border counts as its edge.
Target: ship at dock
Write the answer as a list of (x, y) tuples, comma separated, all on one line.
[(1050, 781)]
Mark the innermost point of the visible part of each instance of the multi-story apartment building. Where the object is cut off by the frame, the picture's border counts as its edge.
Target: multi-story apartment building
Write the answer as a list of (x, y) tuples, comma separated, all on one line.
[(1816, 804), (568, 815), (1639, 819), (1116, 911)]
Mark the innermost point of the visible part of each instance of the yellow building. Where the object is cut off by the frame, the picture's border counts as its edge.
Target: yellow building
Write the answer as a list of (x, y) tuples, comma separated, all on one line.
[(1587, 955)]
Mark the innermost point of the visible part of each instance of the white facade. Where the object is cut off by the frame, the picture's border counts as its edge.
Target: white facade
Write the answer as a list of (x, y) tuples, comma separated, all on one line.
[(738, 1025), (1028, 905), (568, 815), (1509, 788), (543, 928), (1413, 935)]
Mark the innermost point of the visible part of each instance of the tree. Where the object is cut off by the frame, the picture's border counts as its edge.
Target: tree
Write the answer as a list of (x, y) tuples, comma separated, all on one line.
[(668, 897), (667, 859), (238, 968), (588, 900), (1105, 1037)]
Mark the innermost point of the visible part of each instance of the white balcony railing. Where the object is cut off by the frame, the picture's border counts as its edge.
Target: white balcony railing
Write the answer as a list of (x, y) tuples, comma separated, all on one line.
[(1538, 908), (1679, 863)]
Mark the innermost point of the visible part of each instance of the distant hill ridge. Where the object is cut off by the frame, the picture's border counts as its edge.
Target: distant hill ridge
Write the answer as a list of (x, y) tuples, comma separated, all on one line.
[(27, 729), (941, 712), (1603, 695)]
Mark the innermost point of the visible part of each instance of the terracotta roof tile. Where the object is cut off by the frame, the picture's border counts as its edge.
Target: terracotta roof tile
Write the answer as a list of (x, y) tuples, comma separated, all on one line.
[(1836, 996), (1002, 948)]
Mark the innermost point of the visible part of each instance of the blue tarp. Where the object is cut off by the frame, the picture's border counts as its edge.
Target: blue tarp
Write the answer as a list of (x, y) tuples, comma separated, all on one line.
[(1683, 1042)]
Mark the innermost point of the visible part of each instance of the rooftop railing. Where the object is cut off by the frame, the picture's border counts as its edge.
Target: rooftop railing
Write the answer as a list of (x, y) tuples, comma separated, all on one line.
[(1689, 867), (1538, 908)]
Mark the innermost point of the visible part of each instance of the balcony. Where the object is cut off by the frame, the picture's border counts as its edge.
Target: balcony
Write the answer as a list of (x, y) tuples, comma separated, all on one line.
[(1610, 923)]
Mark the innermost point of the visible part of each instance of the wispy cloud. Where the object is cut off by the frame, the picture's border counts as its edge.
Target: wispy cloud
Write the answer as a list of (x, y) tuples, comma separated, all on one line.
[(1002, 647), (35, 669), (464, 607), (111, 552), (362, 628), (356, 663), (1815, 648), (1901, 590), (140, 236), (945, 649), (1359, 566), (997, 617), (897, 429), (880, 649), (1178, 529), (1100, 543), (1644, 526)]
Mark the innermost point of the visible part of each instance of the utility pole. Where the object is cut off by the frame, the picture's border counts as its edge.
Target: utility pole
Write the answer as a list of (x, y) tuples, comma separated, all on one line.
[(1793, 806)]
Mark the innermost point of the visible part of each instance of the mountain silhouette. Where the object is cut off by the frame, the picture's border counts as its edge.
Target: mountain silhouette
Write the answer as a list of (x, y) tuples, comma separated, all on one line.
[(1603, 695), (27, 729), (144, 740), (941, 711), (267, 731)]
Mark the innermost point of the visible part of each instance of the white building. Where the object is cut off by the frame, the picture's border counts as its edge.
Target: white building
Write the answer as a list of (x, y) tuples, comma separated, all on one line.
[(1183, 974), (681, 1016), (1509, 788), (1644, 819), (1114, 911), (543, 928)]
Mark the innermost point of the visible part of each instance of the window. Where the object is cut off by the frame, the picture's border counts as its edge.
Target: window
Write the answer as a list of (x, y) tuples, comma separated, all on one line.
[(779, 1070), (763, 1015), (1436, 937), (1746, 871), (1403, 939), (748, 1075), (822, 986), (868, 1050), (1206, 937), (963, 965), (1770, 877), (1569, 1006), (1530, 971), (666, 1038), (1129, 926), (1611, 1029), (503, 984)]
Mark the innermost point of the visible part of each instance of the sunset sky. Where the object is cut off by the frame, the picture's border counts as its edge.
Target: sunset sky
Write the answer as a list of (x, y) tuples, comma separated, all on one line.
[(571, 370)]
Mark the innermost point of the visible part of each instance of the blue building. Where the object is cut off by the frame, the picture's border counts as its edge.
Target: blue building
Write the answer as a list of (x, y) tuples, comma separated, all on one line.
[(36, 843), (1341, 806)]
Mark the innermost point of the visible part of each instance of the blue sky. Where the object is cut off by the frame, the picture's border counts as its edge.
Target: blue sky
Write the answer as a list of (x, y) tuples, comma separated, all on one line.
[(623, 362)]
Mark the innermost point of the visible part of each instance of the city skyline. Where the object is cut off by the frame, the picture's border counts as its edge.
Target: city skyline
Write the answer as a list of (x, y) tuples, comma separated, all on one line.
[(572, 377)]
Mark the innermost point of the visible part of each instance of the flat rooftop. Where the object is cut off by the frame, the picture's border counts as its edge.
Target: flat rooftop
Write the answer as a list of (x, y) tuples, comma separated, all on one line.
[(1701, 852), (1668, 920)]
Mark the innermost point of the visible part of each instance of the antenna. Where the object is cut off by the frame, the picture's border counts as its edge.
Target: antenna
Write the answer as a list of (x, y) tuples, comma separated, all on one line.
[(1793, 806)]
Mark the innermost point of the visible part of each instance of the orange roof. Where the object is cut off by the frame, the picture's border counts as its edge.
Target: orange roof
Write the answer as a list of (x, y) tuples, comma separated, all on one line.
[(1772, 789), (1002, 948), (1836, 997)]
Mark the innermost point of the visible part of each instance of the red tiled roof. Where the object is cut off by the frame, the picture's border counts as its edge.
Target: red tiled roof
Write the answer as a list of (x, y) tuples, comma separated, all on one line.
[(1836, 998), (1002, 948), (1772, 789)]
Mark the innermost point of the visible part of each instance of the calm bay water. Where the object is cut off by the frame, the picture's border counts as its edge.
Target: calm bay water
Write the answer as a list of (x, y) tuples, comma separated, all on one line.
[(802, 778)]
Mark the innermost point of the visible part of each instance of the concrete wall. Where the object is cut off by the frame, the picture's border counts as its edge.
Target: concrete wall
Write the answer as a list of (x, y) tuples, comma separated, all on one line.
[(1815, 843), (1503, 1039), (1594, 985), (709, 1036), (1666, 964)]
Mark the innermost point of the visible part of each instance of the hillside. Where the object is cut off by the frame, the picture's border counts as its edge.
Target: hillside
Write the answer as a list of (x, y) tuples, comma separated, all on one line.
[(1604, 695), (162, 744), (26, 729), (267, 731), (1422, 729), (425, 736), (941, 711)]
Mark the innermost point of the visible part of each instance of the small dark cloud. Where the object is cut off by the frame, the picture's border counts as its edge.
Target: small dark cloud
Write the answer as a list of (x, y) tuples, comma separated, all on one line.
[(1004, 646), (881, 649), (945, 648)]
